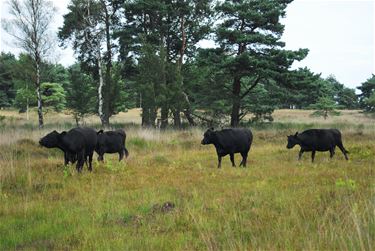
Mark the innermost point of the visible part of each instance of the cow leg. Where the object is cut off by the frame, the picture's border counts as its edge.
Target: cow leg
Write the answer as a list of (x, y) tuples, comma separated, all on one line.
[(300, 154), (100, 156), (90, 161), (80, 161), (312, 156), (219, 159), (343, 150), (331, 152), (244, 159), (121, 154), (66, 159), (232, 159)]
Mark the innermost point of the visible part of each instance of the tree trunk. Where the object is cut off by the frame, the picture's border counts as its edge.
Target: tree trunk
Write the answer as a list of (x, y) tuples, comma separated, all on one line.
[(164, 117), (100, 89), (189, 117), (176, 119), (76, 117), (145, 117), (164, 106), (187, 112), (108, 80), (236, 102), (236, 89), (27, 109), (39, 95), (183, 39), (148, 117), (179, 81), (153, 115)]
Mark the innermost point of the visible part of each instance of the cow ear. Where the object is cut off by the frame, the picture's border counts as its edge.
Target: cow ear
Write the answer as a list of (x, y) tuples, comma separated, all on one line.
[(212, 129), (296, 134), (100, 131), (63, 133)]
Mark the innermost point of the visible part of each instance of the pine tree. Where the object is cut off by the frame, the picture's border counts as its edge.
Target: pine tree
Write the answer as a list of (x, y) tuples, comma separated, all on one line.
[(80, 93), (53, 96), (174, 27), (370, 103), (325, 106), (250, 32), (367, 88)]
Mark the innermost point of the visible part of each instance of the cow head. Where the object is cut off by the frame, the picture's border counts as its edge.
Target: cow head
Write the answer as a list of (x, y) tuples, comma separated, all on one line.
[(208, 137), (292, 141), (52, 139)]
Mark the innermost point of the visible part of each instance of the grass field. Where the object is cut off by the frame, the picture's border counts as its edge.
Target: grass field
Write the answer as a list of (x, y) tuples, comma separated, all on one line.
[(276, 203)]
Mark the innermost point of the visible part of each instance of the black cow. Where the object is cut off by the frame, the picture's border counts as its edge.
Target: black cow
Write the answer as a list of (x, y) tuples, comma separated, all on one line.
[(229, 141), (111, 142), (78, 144), (321, 140)]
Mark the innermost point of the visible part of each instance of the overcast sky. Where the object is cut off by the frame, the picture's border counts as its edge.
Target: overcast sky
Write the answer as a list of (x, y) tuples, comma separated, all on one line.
[(338, 33)]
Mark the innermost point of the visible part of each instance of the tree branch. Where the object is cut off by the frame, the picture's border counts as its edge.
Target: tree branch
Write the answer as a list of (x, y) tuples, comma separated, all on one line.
[(251, 87), (202, 118), (242, 115)]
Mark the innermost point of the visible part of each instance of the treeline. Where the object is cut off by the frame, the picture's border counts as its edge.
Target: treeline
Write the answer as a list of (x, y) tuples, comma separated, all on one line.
[(147, 54)]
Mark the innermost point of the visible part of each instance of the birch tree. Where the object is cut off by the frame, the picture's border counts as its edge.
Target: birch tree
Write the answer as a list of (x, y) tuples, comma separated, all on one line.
[(89, 25), (29, 26)]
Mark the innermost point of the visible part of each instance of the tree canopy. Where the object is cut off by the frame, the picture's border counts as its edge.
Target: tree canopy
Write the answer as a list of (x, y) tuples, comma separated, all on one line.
[(147, 54)]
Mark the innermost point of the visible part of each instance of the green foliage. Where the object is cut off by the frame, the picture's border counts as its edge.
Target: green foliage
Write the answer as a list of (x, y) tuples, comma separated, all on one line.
[(344, 97), (55, 73), (25, 94), (172, 32), (367, 88), (80, 93), (303, 88), (120, 100), (7, 75), (261, 104), (151, 84), (325, 107), (370, 103), (251, 32), (21, 73), (25, 97), (207, 84), (89, 24), (53, 96)]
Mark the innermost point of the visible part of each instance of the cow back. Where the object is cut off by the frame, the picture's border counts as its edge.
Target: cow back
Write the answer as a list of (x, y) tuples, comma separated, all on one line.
[(233, 140), (319, 139), (90, 137), (111, 141)]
